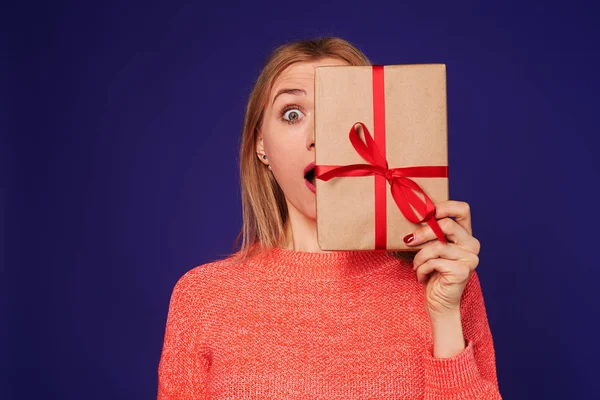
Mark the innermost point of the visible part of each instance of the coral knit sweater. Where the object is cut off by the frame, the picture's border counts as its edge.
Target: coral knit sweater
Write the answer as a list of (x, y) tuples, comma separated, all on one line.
[(299, 325)]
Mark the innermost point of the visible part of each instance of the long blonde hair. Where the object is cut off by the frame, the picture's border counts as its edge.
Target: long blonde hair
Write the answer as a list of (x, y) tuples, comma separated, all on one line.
[(264, 210)]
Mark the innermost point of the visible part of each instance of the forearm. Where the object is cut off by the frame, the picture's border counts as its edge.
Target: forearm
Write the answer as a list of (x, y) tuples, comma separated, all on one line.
[(448, 338)]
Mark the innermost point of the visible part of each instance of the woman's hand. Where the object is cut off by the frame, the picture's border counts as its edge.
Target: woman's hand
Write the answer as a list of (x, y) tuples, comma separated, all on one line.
[(445, 268)]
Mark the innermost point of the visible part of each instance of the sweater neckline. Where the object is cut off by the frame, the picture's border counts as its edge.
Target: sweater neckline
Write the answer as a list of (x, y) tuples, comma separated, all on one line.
[(334, 265)]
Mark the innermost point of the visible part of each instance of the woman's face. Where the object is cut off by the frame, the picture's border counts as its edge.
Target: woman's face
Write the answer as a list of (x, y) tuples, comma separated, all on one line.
[(287, 135)]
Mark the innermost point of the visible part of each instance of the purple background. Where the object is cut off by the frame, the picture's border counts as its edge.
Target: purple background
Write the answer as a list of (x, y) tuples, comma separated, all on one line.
[(120, 126)]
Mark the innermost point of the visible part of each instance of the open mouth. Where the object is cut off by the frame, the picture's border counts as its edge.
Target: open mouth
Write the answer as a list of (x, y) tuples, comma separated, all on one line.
[(309, 177)]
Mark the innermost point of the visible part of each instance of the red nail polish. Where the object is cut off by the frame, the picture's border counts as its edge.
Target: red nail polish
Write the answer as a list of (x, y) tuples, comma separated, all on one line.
[(409, 238)]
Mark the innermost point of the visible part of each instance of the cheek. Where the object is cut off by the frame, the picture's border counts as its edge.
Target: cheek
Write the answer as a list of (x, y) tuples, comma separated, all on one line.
[(284, 155), (285, 171), (286, 151), (277, 144)]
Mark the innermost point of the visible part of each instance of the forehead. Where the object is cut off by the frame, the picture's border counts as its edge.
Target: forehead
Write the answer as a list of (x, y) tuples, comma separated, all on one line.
[(301, 75)]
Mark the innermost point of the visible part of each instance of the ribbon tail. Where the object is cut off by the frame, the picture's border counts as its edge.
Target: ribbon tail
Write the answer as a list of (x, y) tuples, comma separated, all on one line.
[(405, 197), (403, 203), (432, 222), (425, 209)]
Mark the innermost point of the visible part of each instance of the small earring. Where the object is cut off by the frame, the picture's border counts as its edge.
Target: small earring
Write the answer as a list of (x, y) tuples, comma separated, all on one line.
[(264, 156), (270, 169)]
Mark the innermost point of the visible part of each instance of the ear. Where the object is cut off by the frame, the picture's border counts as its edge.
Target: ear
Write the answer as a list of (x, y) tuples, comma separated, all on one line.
[(260, 150)]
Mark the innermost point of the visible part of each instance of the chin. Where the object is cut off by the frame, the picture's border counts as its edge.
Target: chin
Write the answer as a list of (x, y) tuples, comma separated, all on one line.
[(309, 209), (311, 216), (310, 213)]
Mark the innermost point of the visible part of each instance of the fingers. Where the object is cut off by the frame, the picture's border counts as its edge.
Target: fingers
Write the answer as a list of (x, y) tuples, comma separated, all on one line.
[(447, 251), (459, 210), (455, 233), (455, 273)]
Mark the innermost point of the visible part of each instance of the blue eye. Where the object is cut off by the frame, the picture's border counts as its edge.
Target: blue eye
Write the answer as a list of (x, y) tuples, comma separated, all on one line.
[(292, 115)]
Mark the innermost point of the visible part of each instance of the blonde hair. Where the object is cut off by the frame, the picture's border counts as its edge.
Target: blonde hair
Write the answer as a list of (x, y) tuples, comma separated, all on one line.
[(264, 210)]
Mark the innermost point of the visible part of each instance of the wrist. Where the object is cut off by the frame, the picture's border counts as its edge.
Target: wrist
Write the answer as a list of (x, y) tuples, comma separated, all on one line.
[(447, 332), (444, 316)]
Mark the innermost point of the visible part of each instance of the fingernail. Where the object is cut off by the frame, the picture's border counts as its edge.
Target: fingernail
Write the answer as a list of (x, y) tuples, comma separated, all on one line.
[(409, 238)]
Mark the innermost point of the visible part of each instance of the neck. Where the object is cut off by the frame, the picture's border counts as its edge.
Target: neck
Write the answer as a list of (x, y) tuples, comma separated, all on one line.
[(301, 232)]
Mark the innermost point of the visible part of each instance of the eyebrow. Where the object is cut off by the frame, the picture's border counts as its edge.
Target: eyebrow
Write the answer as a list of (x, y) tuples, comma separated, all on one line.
[(296, 92)]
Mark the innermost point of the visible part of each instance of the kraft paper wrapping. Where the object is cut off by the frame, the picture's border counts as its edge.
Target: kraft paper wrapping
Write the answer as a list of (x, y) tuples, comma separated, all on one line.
[(416, 135)]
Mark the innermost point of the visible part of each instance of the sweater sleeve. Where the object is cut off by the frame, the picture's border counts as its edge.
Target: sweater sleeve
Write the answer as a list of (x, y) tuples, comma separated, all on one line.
[(184, 362), (470, 374)]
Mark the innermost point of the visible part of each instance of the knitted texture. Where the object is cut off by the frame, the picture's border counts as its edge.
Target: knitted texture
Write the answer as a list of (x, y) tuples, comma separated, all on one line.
[(299, 325)]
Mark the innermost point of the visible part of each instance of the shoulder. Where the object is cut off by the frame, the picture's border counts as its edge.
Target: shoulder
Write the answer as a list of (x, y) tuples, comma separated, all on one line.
[(197, 302), (206, 281)]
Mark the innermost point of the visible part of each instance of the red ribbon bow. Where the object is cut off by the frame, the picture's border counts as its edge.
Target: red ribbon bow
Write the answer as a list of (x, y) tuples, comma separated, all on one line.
[(402, 187)]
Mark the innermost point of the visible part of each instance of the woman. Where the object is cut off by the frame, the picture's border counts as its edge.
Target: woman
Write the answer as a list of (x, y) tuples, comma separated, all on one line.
[(281, 319)]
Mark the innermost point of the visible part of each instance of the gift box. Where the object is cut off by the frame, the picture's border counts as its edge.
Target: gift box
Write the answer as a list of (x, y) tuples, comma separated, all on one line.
[(381, 144)]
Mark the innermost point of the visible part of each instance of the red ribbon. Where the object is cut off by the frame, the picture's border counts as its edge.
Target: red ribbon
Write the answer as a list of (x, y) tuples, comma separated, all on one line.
[(402, 187)]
